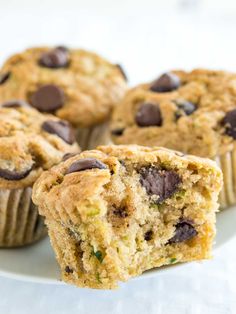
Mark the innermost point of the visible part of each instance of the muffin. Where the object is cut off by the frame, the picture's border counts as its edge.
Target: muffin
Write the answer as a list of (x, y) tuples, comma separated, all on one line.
[(29, 143), (193, 112), (75, 85), (114, 212)]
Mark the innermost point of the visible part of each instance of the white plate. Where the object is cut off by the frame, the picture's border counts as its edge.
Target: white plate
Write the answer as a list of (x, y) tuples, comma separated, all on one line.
[(37, 263)]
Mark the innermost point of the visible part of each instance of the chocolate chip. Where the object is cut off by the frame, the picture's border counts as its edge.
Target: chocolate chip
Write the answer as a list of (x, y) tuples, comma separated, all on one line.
[(163, 183), (148, 115), (86, 163), (63, 48), (184, 108), (55, 58), (4, 77), (148, 235), (61, 128), (122, 72), (14, 104), (165, 83), (68, 270), (229, 122), (183, 231), (68, 156), (14, 175), (120, 212), (118, 132), (48, 98)]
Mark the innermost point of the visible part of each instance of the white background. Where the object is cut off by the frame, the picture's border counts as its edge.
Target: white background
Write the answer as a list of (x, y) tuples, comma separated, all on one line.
[(147, 37)]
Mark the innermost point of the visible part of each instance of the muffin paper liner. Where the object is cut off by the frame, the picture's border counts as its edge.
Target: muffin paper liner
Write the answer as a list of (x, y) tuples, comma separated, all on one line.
[(20, 222), (227, 163), (90, 138)]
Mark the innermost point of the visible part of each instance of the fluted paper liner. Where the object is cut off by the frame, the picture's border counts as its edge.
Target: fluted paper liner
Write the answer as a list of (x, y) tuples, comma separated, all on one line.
[(227, 163), (90, 138), (20, 222)]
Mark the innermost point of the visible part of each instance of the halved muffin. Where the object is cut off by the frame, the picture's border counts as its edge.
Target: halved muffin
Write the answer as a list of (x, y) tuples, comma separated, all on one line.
[(114, 212)]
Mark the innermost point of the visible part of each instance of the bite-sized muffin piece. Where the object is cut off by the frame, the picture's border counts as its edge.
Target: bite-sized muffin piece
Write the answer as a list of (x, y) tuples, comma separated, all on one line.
[(30, 142), (75, 85), (114, 212), (193, 112)]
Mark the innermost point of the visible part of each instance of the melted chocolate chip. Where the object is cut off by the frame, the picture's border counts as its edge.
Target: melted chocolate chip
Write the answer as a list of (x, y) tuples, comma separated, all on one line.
[(86, 163), (229, 122), (148, 115), (68, 156), (55, 58), (184, 108), (68, 270), (148, 235), (120, 212), (183, 231), (12, 175), (4, 77), (122, 72), (163, 183), (118, 132), (14, 104), (165, 83), (48, 98), (61, 128)]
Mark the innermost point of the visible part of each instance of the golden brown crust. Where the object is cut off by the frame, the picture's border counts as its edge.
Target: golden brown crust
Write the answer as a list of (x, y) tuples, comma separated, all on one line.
[(25, 146), (58, 188), (92, 86), (200, 133)]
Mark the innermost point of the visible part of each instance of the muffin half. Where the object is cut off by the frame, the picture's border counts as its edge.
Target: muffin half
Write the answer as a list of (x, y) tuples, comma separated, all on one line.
[(114, 212)]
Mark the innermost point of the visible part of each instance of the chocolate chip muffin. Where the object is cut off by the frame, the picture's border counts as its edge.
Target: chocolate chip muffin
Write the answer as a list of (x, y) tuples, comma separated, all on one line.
[(114, 212), (29, 143), (193, 112), (75, 85)]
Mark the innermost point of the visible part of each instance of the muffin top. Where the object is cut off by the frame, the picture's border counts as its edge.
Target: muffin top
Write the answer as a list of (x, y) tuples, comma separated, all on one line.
[(75, 85), (194, 112), (29, 143), (75, 184)]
